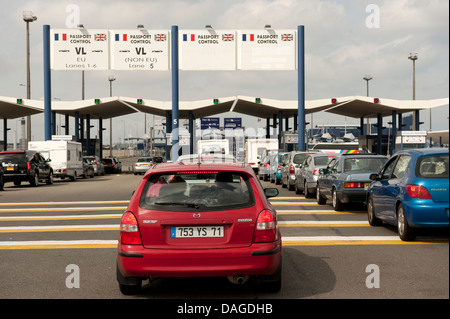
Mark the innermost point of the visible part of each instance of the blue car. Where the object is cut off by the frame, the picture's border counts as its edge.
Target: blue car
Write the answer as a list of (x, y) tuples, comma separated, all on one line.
[(411, 191)]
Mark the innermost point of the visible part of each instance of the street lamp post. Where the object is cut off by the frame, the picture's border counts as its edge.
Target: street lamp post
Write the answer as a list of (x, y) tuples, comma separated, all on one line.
[(413, 57), (111, 78), (28, 17), (367, 78)]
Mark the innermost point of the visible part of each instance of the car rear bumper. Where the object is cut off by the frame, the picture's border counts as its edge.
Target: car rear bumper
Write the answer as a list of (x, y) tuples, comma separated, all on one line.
[(257, 259), (291, 179), (16, 177), (427, 214), (349, 195)]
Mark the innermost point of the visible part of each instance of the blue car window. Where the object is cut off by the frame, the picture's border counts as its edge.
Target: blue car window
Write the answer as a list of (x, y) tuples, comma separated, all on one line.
[(401, 166), (435, 166), (386, 172)]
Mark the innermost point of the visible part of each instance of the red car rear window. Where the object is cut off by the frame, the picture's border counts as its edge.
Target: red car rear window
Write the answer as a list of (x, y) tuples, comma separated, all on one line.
[(199, 190)]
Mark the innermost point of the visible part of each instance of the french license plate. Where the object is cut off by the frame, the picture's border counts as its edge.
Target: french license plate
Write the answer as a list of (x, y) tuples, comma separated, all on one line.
[(144, 165), (196, 232)]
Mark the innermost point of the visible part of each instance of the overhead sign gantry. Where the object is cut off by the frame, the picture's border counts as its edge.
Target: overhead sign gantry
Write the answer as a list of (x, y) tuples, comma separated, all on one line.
[(141, 49)]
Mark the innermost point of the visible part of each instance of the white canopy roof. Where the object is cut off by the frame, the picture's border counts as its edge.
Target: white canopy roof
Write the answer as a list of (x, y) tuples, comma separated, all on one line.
[(351, 106)]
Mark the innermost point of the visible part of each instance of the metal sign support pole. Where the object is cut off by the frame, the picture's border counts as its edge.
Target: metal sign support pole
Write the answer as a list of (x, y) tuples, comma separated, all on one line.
[(47, 85), (301, 87), (175, 97)]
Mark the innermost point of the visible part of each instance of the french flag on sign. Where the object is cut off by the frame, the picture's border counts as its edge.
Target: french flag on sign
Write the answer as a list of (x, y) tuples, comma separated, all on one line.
[(121, 38), (60, 37), (188, 37), (248, 37)]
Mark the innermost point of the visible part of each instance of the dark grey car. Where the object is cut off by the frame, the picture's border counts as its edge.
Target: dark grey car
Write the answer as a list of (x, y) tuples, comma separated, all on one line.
[(346, 179)]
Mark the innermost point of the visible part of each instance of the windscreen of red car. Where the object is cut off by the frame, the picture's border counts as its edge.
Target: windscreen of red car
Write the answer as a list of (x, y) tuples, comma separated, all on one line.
[(197, 191)]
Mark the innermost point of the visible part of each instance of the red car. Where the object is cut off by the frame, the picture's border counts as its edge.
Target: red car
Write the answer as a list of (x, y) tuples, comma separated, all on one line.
[(199, 220)]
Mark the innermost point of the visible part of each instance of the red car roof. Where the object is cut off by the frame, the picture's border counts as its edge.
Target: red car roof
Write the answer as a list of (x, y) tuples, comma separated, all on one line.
[(189, 166)]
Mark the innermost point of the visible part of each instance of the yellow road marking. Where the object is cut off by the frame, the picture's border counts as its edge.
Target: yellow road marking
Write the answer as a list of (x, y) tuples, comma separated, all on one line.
[(362, 242)]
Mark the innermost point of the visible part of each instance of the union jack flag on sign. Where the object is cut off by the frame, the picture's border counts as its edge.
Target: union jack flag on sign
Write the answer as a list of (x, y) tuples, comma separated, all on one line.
[(287, 37), (100, 37), (228, 37), (160, 37)]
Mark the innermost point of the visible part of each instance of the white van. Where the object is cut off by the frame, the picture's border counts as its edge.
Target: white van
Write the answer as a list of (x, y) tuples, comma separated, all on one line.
[(66, 157), (256, 148)]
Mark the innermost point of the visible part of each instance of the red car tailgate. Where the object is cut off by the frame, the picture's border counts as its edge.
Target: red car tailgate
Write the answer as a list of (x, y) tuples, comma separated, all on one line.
[(233, 228)]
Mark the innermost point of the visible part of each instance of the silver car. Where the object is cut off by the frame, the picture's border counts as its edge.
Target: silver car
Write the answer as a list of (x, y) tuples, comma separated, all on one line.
[(265, 167), (144, 163), (289, 167), (306, 177)]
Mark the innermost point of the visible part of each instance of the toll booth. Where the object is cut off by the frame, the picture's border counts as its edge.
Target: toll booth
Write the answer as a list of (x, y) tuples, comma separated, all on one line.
[(369, 144), (94, 147), (289, 142), (410, 139)]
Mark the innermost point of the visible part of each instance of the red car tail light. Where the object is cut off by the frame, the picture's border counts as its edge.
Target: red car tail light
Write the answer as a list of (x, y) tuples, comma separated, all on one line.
[(28, 166), (418, 191), (278, 167), (292, 169), (316, 172), (266, 227), (353, 185), (129, 230)]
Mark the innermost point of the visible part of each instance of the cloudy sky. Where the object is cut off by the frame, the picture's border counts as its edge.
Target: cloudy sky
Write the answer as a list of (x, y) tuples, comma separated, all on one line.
[(344, 41)]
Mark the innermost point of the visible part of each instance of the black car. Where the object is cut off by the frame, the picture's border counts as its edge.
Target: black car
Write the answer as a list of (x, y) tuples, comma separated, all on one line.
[(28, 166), (112, 165)]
